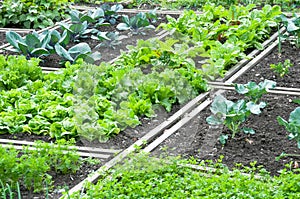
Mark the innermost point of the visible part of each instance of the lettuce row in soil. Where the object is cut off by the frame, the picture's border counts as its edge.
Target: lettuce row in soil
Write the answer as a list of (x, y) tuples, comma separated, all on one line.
[(95, 102)]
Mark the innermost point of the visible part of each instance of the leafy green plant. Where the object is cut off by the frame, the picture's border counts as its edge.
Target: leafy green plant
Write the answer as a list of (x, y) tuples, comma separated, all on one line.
[(32, 14), (233, 114), (79, 51), (105, 14), (225, 34), (292, 25), (16, 71), (292, 125), (137, 24), (254, 91), (108, 39), (79, 17), (111, 12), (78, 30), (57, 38), (282, 68), (34, 45)]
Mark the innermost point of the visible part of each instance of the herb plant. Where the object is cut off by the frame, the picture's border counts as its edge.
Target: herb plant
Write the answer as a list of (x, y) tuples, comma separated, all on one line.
[(31, 167), (146, 177), (282, 69)]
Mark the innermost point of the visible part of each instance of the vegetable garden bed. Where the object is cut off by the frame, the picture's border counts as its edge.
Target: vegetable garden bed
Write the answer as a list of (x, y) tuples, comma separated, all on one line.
[(153, 78), (200, 140)]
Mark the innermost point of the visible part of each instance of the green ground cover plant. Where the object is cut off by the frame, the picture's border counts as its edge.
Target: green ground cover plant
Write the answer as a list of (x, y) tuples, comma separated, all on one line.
[(35, 14), (146, 177)]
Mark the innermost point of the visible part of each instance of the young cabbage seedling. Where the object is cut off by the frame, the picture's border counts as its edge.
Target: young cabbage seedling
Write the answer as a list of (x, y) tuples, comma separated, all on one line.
[(233, 114), (108, 39), (254, 91), (81, 50), (293, 125), (78, 30), (137, 24)]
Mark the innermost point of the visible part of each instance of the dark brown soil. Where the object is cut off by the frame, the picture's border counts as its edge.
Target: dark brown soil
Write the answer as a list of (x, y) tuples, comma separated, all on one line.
[(263, 71), (200, 140)]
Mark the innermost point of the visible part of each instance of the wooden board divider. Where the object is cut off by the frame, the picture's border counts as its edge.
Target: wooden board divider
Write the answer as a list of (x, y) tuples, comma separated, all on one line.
[(20, 30), (82, 154), (252, 62), (135, 11), (168, 132), (78, 148), (276, 90)]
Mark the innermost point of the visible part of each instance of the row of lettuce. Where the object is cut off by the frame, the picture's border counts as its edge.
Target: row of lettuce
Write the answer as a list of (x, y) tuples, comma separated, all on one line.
[(97, 102)]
